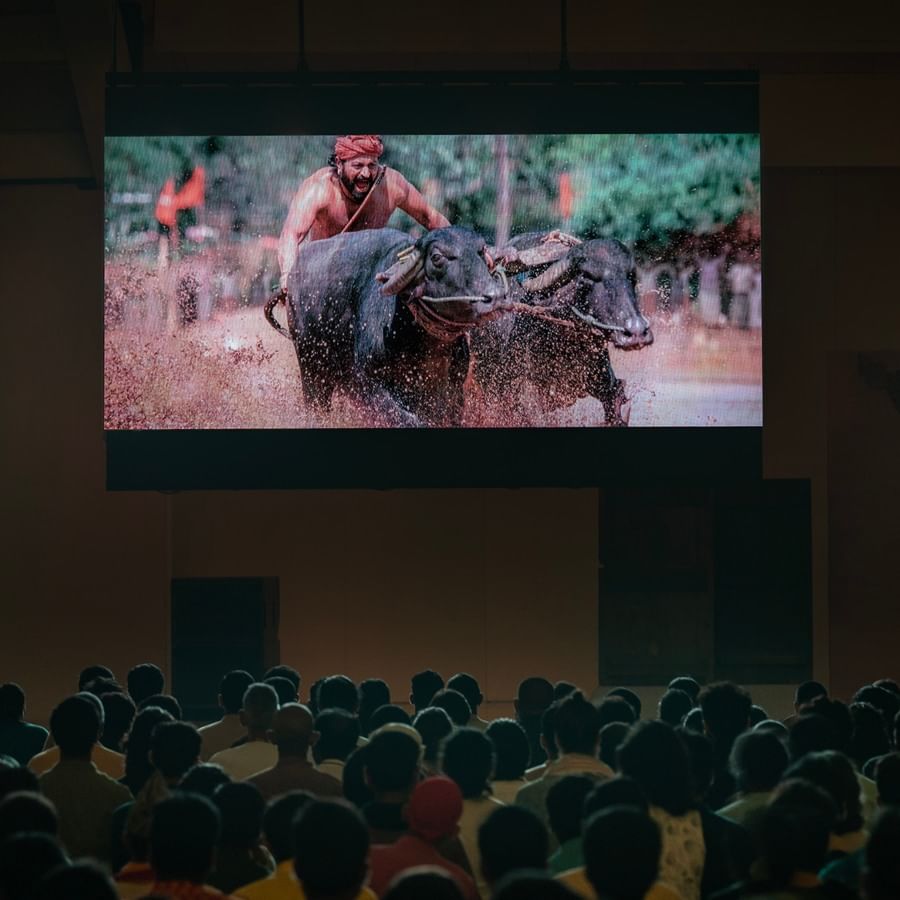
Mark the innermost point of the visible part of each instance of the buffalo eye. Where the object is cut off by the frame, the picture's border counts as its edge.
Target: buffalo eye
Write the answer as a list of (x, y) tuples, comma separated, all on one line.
[(438, 260)]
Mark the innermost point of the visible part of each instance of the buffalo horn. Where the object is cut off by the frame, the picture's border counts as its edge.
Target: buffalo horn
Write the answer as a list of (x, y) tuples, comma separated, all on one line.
[(403, 272), (548, 278)]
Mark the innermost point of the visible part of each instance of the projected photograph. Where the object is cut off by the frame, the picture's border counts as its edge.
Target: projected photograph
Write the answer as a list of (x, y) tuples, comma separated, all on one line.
[(449, 281)]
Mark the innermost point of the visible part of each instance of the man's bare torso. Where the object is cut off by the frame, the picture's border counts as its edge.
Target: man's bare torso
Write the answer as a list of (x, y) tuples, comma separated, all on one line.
[(339, 208)]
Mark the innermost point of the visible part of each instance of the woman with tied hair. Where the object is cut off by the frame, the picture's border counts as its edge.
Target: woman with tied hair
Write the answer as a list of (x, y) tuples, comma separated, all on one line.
[(655, 757)]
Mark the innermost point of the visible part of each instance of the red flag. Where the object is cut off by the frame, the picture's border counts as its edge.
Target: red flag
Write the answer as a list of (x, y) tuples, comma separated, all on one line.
[(165, 206), (566, 196), (192, 194)]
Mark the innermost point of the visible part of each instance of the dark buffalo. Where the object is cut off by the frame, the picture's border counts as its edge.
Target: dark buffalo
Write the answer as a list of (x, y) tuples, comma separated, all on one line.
[(387, 321), (559, 342)]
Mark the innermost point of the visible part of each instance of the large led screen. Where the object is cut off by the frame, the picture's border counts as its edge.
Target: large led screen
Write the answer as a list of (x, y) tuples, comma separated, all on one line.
[(464, 281)]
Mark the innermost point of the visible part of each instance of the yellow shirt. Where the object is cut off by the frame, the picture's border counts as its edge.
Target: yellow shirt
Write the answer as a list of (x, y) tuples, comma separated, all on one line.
[(107, 761), (283, 885), (576, 880)]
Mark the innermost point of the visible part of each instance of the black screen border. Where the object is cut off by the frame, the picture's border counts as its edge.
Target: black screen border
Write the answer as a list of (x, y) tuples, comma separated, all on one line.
[(437, 103)]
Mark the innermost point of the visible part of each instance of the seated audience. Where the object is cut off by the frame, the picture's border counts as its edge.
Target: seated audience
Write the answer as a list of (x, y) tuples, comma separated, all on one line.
[(806, 694), (547, 740), (258, 708), (118, 715), (533, 697), (869, 739), (730, 849), (338, 692), (391, 770), (674, 705), (654, 755), (85, 798), (726, 714), (565, 809), (29, 811), (163, 701), (433, 724), (331, 851), (204, 778), (291, 734), (138, 767), (423, 883), (531, 884), (757, 715), (687, 684), (795, 832), (887, 702), (510, 839), (19, 739), (183, 838), (284, 671), (631, 698), (511, 753), (423, 686), (881, 875), (468, 686), (622, 848), (468, 759), (387, 714), (88, 674), (615, 709), (222, 734), (455, 705), (563, 689), (338, 737), (145, 680), (758, 760), (24, 860), (277, 824), (373, 692), (576, 724), (174, 749), (107, 761), (240, 857), (833, 773), (285, 689), (433, 814), (83, 880), (610, 737)]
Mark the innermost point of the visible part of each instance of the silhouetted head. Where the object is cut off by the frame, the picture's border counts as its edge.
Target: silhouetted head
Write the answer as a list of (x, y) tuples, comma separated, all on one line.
[(511, 838), (511, 749), (423, 686), (145, 680)]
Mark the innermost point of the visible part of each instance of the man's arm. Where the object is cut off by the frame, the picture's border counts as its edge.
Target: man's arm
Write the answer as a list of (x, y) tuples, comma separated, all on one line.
[(308, 202), (411, 201)]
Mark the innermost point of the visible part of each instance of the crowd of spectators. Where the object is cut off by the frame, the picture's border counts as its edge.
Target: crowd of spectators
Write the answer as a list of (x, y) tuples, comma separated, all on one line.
[(350, 795)]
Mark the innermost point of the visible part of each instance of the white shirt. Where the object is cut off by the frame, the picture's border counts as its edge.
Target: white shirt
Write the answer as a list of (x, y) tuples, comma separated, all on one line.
[(246, 760)]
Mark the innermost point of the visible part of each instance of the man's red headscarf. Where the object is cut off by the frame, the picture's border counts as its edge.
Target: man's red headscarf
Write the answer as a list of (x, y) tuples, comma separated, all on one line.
[(351, 145)]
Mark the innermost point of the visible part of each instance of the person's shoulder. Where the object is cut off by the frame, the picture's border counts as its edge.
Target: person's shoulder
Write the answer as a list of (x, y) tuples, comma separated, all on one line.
[(112, 787), (33, 729)]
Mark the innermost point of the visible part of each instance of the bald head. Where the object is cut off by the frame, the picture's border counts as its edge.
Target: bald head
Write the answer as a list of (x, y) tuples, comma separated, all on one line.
[(292, 729)]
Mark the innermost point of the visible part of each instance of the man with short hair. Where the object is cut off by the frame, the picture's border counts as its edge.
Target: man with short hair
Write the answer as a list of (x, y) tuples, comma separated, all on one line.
[(19, 739), (687, 684), (338, 692), (183, 837), (423, 686), (84, 797), (726, 714), (622, 847), (533, 698), (352, 193), (331, 851), (433, 813), (565, 810), (107, 761), (469, 688), (292, 734), (145, 680), (455, 705), (391, 772), (510, 838), (674, 705), (758, 760), (338, 733), (284, 671), (373, 692), (577, 734), (258, 708), (221, 735)]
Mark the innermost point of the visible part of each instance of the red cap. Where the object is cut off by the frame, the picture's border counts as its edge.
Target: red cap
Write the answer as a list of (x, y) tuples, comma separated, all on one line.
[(434, 808)]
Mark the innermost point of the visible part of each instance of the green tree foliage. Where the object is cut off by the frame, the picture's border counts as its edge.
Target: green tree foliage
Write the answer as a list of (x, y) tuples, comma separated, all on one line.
[(634, 187)]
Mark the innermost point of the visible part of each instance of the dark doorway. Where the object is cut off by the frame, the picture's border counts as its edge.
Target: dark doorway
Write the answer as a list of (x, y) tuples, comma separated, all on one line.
[(219, 624)]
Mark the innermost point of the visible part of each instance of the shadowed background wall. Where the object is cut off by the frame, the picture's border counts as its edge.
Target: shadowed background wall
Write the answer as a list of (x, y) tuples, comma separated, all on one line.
[(502, 583)]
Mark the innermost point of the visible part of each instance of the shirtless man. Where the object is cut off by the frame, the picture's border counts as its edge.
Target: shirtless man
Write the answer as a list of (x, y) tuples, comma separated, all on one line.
[(353, 182)]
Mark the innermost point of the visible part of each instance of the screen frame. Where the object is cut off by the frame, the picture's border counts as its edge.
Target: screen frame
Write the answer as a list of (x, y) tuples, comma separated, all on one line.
[(435, 103)]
